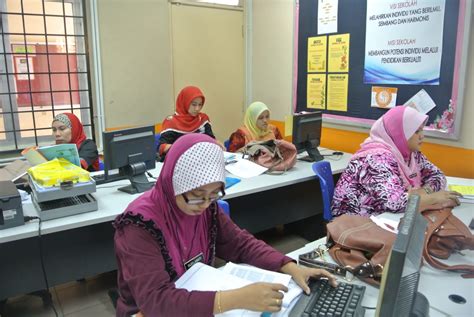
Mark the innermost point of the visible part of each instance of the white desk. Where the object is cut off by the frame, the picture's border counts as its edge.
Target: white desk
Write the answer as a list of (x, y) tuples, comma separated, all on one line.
[(112, 202), (82, 245), (436, 285)]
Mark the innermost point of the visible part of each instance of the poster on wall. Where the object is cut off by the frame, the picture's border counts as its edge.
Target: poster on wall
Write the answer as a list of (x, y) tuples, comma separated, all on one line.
[(327, 16), (23, 67), (316, 98), (404, 41), (337, 92), (338, 53), (317, 54)]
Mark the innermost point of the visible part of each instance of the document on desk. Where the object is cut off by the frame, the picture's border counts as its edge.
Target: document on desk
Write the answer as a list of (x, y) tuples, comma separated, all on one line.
[(467, 192), (245, 169), (201, 277)]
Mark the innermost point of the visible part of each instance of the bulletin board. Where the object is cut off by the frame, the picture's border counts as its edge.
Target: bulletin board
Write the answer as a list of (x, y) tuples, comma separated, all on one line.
[(351, 23)]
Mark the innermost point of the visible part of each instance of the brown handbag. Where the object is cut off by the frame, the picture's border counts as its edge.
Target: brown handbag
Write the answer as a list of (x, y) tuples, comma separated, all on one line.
[(276, 155), (357, 242), (445, 235)]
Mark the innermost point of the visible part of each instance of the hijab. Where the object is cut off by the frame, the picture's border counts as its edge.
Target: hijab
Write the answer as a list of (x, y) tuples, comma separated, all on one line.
[(250, 122), (194, 160), (390, 133), (77, 129), (182, 121)]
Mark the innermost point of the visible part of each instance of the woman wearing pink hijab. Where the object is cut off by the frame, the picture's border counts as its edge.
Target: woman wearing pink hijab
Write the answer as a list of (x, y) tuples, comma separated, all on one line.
[(389, 167), (178, 223)]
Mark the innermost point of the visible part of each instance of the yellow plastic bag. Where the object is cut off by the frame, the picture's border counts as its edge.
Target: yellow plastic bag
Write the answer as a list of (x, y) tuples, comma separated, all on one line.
[(57, 171)]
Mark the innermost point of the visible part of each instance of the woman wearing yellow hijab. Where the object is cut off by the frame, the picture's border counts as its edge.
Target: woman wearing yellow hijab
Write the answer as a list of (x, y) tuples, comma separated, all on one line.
[(256, 127)]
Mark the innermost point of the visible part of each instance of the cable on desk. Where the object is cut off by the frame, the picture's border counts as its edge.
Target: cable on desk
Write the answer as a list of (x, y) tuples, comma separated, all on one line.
[(40, 243)]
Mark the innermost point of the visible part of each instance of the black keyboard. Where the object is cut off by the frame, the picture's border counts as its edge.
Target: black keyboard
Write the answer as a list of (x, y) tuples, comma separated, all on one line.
[(64, 202), (325, 300)]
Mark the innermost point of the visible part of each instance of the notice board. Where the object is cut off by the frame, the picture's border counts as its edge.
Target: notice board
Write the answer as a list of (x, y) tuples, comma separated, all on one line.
[(357, 50)]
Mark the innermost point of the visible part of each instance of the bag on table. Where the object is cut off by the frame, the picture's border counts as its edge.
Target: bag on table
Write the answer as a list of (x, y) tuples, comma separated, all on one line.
[(359, 244), (276, 155), (445, 235)]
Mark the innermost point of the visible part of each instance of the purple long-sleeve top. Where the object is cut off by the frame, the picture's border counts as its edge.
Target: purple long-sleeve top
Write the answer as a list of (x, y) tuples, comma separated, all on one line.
[(373, 184), (144, 280)]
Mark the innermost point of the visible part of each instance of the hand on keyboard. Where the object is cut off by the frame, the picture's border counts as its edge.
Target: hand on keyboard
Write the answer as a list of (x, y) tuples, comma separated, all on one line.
[(301, 274)]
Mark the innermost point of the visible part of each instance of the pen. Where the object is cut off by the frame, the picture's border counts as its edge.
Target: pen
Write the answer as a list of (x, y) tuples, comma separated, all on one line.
[(230, 162)]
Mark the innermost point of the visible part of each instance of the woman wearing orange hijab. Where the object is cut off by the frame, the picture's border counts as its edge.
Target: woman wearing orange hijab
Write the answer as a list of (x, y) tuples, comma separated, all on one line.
[(188, 118)]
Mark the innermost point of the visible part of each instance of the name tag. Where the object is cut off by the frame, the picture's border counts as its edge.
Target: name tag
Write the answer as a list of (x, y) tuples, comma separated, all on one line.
[(412, 175), (198, 258)]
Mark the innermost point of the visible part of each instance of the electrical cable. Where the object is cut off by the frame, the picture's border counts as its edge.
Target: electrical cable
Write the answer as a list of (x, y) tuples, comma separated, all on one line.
[(40, 243)]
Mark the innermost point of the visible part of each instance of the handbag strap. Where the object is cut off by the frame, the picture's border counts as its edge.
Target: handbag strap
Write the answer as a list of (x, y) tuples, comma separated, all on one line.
[(467, 270)]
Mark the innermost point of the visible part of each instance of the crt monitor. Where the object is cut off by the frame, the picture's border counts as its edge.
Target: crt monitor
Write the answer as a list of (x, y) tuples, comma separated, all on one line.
[(398, 290), (307, 134), (132, 152)]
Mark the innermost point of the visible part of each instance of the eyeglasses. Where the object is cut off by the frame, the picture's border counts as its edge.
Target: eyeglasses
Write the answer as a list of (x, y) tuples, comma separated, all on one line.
[(201, 201)]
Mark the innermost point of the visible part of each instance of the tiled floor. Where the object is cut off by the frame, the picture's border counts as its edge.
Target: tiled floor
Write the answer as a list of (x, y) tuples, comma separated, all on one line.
[(89, 298)]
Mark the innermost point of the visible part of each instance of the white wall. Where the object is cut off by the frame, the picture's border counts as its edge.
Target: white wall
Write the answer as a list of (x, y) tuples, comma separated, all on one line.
[(272, 66), (135, 61), (208, 52)]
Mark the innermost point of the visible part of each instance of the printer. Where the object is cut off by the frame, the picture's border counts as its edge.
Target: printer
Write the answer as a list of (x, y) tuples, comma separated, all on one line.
[(11, 211)]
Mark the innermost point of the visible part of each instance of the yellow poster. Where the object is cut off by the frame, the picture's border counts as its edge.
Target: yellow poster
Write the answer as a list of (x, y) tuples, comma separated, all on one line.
[(316, 91), (337, 92), (317, 54), (338, 54)]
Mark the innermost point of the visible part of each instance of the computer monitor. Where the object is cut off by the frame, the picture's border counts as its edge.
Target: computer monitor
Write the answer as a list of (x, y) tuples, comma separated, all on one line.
[(398, 290), (307, 134), (132, 152)]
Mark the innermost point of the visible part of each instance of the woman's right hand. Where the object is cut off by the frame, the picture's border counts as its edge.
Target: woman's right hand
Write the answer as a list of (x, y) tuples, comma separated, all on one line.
[(438, 200), (261, 297)]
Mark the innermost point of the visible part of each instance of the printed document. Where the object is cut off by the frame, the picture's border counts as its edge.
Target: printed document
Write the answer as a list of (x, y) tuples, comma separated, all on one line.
[(201, 277)]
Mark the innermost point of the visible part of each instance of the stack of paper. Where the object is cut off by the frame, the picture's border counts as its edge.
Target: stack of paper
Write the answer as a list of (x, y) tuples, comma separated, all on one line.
[(201, 277), (467, 192)]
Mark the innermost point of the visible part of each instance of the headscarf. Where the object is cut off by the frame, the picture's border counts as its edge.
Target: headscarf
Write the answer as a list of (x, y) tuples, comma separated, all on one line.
[(390, 133), (250, 121), (194, 160), (77, 129), (182, 121)]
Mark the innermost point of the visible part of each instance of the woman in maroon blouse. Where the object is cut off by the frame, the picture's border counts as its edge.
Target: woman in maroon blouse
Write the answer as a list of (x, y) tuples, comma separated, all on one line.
[(167, 228)]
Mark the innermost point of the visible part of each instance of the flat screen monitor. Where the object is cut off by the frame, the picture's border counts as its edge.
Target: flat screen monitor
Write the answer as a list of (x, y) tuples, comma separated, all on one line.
[(307, 134), (132, 152), (399, 294)]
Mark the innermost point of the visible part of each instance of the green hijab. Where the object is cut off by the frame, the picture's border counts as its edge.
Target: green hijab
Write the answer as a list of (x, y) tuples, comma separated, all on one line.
[(250, 120)]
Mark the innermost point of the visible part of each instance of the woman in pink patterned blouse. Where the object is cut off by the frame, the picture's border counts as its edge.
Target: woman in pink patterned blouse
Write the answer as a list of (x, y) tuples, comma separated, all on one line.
[(389, 167)]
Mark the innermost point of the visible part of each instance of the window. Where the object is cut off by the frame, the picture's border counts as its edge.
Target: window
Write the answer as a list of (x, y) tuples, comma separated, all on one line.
[(43, 69)]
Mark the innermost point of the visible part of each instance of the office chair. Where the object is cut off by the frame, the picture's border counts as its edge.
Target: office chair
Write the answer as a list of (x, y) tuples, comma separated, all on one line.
[(157, 140), (226, 144), (101, 165), (323, 172), (225, 206)]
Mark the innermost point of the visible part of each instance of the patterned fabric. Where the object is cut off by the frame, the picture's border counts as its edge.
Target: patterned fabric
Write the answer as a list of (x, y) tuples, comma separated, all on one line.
[(192, 171), (63, 119), (373, 184), (390, 133)]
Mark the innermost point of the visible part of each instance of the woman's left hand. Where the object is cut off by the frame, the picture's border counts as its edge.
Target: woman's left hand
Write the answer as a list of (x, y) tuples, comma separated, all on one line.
[(301, 275)]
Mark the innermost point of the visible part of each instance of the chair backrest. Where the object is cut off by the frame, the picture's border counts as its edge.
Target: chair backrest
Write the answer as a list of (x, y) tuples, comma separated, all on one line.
[(157, 140), (323, 171), (226, 144), (225, 206), (101, 165)]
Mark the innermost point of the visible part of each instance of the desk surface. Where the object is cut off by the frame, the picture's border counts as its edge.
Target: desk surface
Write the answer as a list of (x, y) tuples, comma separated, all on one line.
[(112, 202), (436, 285)]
